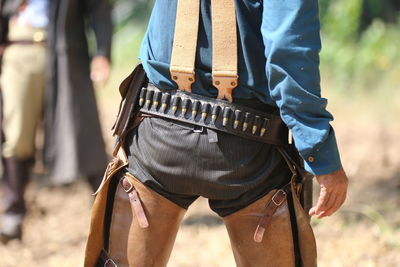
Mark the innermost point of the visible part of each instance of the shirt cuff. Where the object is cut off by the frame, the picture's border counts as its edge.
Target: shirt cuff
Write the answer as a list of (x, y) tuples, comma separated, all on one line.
[(324, 159)]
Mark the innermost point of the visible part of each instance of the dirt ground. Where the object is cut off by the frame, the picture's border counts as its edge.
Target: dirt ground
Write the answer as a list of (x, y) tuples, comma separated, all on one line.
[(365, 233)]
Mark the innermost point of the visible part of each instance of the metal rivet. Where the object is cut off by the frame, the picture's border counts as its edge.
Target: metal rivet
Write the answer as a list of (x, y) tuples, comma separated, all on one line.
[(233, 83), (310, 159), (217, 83), (175, 77), (302, 68), (191, 79)]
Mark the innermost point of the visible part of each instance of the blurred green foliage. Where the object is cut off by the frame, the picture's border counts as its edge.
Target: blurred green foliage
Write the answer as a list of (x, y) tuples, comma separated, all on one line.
[(127, 13), (361, 50)]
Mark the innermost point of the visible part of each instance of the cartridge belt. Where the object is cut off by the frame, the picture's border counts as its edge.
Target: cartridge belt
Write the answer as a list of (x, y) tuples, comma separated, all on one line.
[(213, 113)]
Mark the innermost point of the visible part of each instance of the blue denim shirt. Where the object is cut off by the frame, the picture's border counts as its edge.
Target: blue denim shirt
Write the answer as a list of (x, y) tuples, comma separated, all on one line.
[(278, 62), (35, 13)]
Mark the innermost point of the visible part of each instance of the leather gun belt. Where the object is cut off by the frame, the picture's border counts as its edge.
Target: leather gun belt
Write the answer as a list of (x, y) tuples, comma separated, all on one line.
[(213, 113)]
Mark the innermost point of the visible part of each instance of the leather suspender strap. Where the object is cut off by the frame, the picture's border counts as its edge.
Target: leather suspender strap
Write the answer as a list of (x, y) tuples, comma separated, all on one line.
[(185, 42), (224, 36)]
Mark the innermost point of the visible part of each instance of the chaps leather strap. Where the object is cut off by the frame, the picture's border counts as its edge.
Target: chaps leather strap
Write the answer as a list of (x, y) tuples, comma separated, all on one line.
[(276, 201), (105, 261), (135, 202)]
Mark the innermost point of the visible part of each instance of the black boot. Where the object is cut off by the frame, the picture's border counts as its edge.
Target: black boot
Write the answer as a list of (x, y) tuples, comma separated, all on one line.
[(16, 178)]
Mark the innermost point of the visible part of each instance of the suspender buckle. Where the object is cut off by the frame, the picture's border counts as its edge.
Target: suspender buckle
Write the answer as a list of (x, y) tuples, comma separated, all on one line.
[(184, 80), (225, 85)]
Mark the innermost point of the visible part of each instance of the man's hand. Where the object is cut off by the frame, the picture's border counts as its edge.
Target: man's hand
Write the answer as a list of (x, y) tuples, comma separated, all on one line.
[(100, 70), (332, 195)]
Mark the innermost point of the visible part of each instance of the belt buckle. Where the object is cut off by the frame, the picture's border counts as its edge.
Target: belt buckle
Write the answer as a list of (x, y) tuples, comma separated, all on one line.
[(110, 263), (280, 191), (38, 37), (198, 129)]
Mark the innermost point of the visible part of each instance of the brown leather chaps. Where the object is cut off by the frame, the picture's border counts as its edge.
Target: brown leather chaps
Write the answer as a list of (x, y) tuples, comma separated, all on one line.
[(133, 226), (273, 231)]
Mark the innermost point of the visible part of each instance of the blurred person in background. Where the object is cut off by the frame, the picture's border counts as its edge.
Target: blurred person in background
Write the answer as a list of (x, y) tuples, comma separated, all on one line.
[(22, 87), (74, 146), (50, 37), (261, 60)]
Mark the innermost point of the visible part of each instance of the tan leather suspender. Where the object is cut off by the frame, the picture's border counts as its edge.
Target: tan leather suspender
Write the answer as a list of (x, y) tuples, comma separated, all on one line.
[(185, 42), (224, 36), (224, 63)]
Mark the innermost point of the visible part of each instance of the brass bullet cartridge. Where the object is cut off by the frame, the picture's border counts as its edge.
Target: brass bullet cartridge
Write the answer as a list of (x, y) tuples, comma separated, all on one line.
[(205, 109), (238, 118), (185, 105), (248, 117), (142, 96), (195, 108), (175, 103), (226, 114), (149, 98), (214, 113), (256, 124), (157, 99), (165, 99), (264, 127)]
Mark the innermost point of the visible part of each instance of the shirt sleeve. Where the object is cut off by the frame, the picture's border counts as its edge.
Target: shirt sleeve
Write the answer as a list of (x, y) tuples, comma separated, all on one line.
[(291, 35), (99, 15)]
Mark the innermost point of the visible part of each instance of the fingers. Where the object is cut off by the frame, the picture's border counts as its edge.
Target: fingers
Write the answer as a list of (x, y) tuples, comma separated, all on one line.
[(311, 212), (328, 209), (323, 200), (332, 195), (328, 203), (336, 205)]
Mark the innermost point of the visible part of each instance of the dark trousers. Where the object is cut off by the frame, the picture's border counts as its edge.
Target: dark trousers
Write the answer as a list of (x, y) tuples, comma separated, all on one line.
[(182, 162)]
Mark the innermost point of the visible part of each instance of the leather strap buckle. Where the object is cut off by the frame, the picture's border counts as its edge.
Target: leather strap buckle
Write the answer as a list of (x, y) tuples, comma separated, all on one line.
[(277, 200), (279, 197), (110, 263), (135, 201), (126, 184)]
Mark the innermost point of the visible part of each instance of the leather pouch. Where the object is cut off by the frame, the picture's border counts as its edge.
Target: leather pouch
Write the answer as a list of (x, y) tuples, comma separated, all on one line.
[(129, 90)]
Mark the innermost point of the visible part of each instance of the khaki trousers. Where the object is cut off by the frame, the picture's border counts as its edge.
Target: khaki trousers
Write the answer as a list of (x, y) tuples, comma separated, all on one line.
[(22, 87)]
